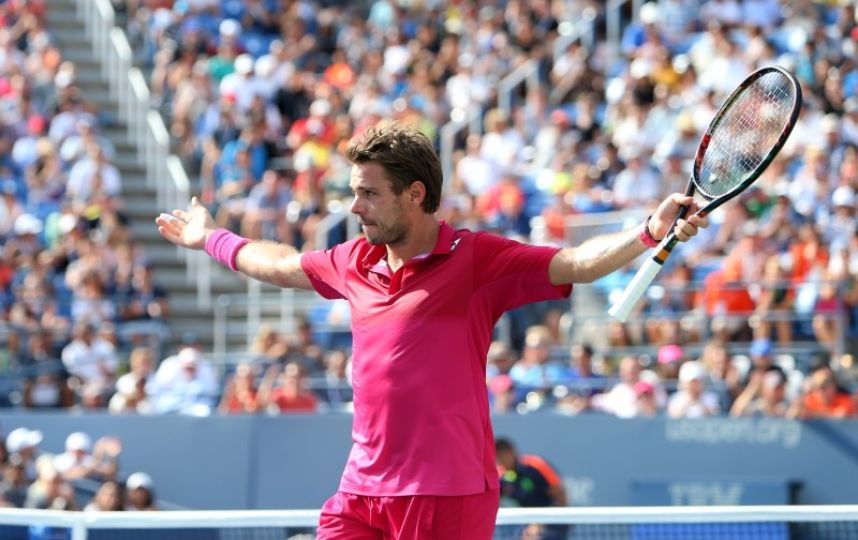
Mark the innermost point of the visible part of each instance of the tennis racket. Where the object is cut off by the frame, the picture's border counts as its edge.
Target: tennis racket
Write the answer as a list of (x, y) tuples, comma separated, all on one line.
[(746, 134)]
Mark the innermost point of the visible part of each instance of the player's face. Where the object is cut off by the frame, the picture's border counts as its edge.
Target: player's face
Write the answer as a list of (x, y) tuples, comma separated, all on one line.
[(378, 208)]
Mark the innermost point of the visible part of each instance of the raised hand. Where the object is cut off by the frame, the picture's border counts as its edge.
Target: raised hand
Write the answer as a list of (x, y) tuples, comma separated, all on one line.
[(666, 212), (188, 229)]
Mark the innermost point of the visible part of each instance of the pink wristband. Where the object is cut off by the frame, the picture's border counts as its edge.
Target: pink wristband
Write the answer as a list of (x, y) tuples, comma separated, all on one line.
[(223, 245), (646, 237)]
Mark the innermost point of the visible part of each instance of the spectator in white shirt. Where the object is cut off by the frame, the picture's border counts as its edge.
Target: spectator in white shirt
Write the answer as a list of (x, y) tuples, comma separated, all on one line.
[(93, 178), (621, 400), (692, 400), (185, 383), (90, 359)]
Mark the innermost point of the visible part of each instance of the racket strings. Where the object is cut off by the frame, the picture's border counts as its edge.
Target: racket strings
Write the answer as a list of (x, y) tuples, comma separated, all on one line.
[(750, 128)]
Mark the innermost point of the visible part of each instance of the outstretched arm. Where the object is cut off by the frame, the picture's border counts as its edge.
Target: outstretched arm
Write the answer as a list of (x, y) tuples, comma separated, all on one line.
[(279, 264), (602, 255)]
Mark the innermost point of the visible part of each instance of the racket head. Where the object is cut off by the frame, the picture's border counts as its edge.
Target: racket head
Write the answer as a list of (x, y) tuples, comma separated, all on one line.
[(747, 133)]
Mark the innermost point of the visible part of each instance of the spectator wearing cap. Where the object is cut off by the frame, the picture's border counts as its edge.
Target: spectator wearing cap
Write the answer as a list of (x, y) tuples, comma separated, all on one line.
[(765, 395), (241, 82), (647, 400), (25, 443), (503, 394), (82, 459), (223, 62), (842, 224), (669, 358), (77, 461), (185, 383), (140, 492), (27, 230), (692, 400), (762, 359)]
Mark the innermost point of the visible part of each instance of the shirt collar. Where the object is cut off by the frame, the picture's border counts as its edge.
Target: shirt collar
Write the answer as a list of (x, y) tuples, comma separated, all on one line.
[(444, 245)]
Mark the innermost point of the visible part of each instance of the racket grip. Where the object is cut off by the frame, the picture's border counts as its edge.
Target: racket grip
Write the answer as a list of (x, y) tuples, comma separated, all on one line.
[(635, 289)]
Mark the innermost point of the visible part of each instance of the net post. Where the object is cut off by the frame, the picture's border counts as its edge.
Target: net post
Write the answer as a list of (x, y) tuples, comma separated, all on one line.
[(79, 531)]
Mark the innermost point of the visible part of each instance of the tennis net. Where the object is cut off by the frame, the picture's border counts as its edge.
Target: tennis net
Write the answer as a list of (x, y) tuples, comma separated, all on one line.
[(651, 523)]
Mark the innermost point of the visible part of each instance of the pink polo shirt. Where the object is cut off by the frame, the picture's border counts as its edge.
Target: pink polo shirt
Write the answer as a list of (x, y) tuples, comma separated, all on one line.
[(420, 338)]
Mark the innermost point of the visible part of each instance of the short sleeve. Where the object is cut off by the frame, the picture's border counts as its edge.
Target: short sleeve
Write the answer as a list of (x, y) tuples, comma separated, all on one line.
[(516, 272), (327, 269)]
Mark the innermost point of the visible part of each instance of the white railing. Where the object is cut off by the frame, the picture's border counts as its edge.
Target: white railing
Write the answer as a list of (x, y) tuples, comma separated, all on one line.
[(80, 523), (459, 120), (568, 32), (146, 130), (613, 23), (528, 73)]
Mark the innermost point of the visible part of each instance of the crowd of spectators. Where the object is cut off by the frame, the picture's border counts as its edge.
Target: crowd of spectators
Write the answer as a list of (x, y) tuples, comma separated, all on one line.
[(76, 289), (85, 476), (260, 98), (675, 382)]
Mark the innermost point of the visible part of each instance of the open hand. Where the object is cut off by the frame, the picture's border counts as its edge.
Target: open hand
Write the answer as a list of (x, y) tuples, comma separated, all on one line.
[(191, 228)]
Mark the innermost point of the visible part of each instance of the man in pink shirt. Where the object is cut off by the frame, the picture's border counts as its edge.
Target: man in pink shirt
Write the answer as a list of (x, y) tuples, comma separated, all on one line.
[(424, 300)]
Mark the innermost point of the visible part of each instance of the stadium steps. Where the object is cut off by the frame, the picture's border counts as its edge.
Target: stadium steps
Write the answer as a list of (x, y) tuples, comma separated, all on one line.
[(186, 315)]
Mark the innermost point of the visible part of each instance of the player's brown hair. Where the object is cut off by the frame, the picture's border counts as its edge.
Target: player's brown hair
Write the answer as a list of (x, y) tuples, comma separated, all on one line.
[(407, 156)]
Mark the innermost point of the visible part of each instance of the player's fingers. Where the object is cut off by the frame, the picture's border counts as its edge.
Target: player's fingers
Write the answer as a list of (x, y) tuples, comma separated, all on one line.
[(167, 233), (701, 222), (682, 200), (684, 230)]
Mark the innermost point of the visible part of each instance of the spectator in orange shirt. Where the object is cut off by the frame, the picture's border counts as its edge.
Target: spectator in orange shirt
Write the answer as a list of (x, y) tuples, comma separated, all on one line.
[(726, 299), (240, 395), (289, 395), (823, 399)]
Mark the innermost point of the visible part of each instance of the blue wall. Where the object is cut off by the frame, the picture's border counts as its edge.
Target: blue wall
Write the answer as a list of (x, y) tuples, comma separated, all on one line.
[(296, 461)]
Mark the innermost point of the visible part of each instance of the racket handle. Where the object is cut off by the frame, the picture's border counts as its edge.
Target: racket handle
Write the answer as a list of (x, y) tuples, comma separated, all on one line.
[(634, 290)]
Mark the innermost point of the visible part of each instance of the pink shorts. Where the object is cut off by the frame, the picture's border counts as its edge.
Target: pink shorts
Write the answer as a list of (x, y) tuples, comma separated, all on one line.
[(414, 517)]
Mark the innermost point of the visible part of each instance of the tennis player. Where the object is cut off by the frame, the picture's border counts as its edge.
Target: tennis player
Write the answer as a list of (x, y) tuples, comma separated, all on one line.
[(424, 299)]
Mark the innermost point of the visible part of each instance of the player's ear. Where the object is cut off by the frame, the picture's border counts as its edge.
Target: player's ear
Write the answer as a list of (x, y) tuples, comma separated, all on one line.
[(417, 192)]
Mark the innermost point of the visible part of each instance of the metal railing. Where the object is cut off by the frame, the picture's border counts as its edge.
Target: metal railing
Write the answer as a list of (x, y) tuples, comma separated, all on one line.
[(146, 129), (583, 30), (613, 23), (472, 120)]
